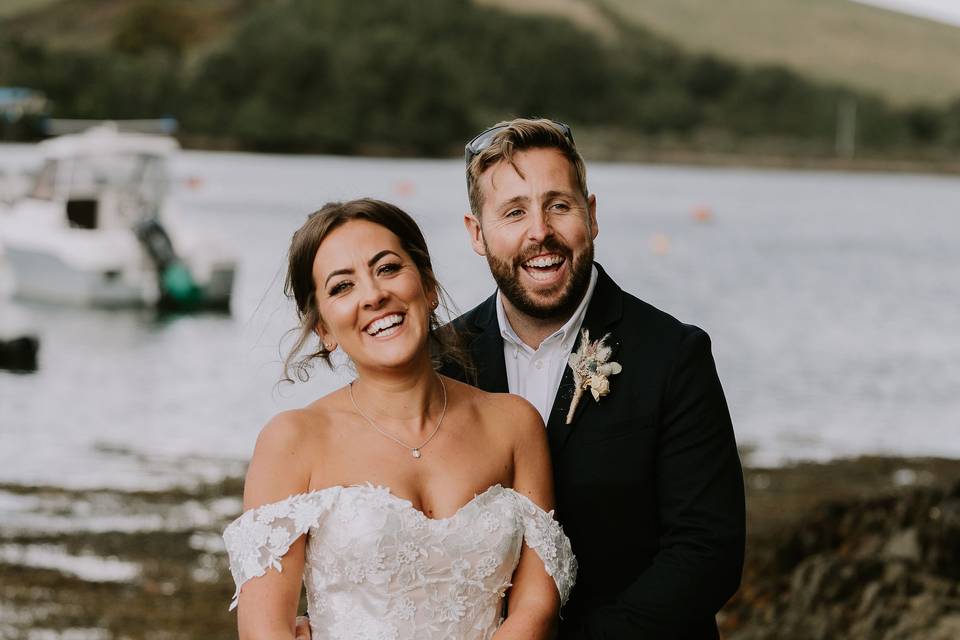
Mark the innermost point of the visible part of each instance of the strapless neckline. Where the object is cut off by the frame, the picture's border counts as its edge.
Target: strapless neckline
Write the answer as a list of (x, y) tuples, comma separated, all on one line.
[(375, 566), (489, 492)]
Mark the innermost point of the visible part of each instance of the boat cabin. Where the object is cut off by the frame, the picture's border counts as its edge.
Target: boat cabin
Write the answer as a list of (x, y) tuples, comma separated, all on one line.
[(105, 179)]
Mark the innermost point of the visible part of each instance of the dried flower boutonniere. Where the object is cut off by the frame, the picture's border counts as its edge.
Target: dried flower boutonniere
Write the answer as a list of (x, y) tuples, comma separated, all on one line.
[(591, 370)]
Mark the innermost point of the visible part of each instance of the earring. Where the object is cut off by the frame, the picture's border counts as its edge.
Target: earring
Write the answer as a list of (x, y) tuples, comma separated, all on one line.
[(329, 347), (434, 304)]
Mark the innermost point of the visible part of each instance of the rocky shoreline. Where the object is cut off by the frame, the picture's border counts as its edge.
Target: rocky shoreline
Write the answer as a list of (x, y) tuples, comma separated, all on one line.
[(863, 548), (854, 549)]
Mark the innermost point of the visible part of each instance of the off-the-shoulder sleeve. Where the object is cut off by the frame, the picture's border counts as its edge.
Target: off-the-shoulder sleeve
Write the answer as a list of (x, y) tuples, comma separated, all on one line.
[(544, 535), (260, 537)]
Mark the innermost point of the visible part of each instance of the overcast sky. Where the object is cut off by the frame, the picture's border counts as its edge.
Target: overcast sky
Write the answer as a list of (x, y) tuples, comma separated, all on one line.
[(943, 10)]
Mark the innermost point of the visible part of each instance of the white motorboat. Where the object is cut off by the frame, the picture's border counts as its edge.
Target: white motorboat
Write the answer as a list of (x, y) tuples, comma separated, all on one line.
[(96, 228)]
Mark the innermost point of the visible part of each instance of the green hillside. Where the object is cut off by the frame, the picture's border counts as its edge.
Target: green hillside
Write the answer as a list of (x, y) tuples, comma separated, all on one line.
[(902, 58), (417, 78)]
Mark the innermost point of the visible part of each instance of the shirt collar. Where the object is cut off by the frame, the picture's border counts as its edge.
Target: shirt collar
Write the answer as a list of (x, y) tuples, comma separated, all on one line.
[(567, 333)]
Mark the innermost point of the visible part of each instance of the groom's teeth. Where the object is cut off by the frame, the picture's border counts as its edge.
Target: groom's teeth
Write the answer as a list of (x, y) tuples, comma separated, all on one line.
[(543, 261), (385, 322), (542, 275)]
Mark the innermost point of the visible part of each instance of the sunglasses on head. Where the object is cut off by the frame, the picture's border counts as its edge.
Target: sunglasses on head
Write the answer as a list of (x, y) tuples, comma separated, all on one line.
[(482, 141)]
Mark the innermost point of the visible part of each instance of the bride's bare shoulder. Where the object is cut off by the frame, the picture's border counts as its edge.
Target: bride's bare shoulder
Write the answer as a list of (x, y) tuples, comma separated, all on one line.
[(287, 450), (501, 410), (303, 424)]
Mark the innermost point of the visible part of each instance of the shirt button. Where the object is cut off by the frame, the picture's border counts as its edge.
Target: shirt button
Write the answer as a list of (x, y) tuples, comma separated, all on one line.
[(538, 364)]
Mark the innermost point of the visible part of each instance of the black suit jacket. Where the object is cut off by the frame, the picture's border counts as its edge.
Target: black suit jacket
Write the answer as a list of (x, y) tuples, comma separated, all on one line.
[(648, 480)]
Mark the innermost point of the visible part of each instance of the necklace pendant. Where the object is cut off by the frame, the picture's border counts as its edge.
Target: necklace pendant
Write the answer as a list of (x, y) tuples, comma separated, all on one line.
[(414, 451)]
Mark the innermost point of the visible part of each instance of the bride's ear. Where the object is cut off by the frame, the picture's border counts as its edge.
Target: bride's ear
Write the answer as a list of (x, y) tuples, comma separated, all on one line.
[(433, 298), (329, 344)]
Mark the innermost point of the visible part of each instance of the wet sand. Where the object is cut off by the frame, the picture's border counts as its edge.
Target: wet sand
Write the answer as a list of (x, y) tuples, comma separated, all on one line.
[(150, 564), (168, 540)]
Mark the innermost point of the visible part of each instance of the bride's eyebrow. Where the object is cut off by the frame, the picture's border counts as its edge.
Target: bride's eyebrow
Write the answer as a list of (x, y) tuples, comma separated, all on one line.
[(372, 261)]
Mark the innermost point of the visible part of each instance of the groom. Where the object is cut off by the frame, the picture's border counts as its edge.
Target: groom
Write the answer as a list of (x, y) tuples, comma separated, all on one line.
[(648, 480)]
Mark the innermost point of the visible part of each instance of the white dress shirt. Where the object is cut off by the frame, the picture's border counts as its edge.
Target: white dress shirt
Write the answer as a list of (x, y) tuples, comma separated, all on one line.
[(535, 373)]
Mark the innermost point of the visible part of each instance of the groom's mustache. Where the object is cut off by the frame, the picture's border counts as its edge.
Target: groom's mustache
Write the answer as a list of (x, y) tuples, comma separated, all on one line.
[(549, 245)]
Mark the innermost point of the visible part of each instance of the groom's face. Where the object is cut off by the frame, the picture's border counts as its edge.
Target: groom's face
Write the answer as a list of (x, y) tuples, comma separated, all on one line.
[(536, 229)]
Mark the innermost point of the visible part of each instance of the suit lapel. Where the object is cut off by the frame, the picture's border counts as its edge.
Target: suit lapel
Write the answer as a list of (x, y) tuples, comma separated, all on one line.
[(557, 429), (487, 349), (603, 312)]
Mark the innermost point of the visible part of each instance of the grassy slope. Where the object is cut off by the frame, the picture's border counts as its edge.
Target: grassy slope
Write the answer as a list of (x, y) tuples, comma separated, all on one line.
[(903, 58), (584, 13), (90, 24), (84, 24), (14, 7)]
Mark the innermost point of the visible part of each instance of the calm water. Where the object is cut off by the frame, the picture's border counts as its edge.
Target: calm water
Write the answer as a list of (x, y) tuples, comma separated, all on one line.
[(832, 301)]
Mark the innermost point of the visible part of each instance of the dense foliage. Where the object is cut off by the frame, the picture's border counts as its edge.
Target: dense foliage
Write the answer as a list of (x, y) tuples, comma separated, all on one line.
[(395, 76)]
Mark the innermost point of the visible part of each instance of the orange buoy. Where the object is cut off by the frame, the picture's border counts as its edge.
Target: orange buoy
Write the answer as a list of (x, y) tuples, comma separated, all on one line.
[(703, 214), (405, 188), (660, 244)]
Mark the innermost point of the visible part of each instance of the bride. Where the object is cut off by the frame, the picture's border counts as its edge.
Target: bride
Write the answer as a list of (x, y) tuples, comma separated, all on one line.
[(410, 505)]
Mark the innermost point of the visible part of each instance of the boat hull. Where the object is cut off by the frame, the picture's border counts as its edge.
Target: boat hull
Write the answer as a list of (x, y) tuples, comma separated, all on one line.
[(46, 277), (101, 270)]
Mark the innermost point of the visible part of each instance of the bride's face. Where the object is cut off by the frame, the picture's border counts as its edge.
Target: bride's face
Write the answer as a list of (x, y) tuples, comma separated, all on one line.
[(371, 297)]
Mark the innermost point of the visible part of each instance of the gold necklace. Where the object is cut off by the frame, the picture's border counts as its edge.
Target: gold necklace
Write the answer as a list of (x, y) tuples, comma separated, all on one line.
[(414, 451)]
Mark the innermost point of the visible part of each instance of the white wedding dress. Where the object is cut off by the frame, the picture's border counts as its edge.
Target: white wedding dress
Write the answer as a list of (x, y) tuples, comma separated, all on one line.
[(377, 568)]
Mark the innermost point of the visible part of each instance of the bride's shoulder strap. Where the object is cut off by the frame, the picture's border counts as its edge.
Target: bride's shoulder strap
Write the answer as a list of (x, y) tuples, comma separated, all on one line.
[(259, 538), (545, 536)]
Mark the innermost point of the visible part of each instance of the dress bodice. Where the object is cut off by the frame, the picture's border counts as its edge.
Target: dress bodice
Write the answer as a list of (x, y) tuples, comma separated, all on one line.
[(378, 568)]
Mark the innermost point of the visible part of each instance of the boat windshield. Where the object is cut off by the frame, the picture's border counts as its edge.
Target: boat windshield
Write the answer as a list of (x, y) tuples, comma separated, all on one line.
[(145, 175), (133, 175)]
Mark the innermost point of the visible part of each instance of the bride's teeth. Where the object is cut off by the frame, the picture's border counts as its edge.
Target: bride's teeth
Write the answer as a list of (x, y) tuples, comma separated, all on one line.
[(377, 326), (389, 331)]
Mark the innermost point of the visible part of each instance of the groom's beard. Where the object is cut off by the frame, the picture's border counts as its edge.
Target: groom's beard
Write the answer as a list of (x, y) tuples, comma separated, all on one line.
[(568, 295)]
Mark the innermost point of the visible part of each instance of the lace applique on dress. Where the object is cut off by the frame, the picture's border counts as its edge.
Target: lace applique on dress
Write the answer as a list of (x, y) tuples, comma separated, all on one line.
[(376, 567), (260, 537), (544, 535)]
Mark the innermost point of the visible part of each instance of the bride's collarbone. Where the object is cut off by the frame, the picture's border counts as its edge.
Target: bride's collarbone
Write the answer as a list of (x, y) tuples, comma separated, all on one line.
[(437, 496), (452, 469)]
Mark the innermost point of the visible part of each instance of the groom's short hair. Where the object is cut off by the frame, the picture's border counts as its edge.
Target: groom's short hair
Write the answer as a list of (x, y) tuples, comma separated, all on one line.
[(520, 134)]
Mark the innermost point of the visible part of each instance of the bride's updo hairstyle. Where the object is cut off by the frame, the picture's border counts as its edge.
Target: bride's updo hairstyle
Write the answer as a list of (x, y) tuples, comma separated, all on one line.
[(445, 345)]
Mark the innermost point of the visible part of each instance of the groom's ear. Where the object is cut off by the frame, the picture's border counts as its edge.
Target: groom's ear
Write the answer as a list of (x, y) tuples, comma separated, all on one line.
[(592, 212), (475, 231)]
